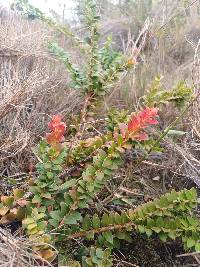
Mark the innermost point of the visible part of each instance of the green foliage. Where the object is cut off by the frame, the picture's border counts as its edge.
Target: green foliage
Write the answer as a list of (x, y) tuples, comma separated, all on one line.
[(87, 148), (101, 73), (169, 217), (115, 117), (78, 78), (98, 257), (45, 197), (35, 223), (157, 94), (49, 168), (104, 66), (96, 175)]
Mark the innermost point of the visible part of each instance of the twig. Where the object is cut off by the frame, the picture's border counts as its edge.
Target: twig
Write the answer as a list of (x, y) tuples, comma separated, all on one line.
[(188, 254)]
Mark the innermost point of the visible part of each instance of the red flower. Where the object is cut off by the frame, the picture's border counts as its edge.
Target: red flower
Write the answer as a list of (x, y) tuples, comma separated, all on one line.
[(57, 128), (139, 122)]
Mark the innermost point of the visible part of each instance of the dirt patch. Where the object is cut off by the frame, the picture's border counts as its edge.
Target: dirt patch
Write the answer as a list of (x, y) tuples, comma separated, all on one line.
[(145, 252)]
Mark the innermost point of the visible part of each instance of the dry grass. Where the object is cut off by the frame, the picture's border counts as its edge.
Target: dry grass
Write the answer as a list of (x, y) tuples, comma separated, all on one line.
[(190, 149), (172, 50), (32, 88), (16, 252), (172, 36)]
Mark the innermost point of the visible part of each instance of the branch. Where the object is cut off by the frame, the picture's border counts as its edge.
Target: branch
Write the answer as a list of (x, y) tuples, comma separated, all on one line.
[(101, 230)]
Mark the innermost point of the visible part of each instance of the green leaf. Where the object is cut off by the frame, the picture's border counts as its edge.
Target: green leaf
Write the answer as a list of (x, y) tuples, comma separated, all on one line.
[(105, 220), (193, 221), (7, 200), (31, 226), (42, 225), (140, 213), (163, 237), (113, 167), (190, 243), (99, 175), (124, 236), (36, 199), (99, 253), (172, 196), (156, 229), (18, 193), (96, 221), (197, 246), (63, 208), (73, 217), (141, 229), (90, 186), (107, 163), (107, 172), (50, 175), (192, 195), (33, 231), (68, 184), (184, 222), (108, 237), (129, 201), (39, 216), (117, 218), (68, 199), (56, 215), (28, 221), (54, 222), (98, 143), (35, 189), (148, 232), (160, 222), (42, 209), (163, 202), (83, 204), (172, 235), (86, 224), (120, 139), (57, 168), (57, 161)]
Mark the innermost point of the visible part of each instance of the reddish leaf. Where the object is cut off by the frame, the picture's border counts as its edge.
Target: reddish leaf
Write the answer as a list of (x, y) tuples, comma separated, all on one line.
[(47, 254), (58, 129), (138, 123), (22, 202)]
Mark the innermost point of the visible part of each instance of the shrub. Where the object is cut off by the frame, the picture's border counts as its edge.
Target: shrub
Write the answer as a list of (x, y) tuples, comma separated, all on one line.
[(60, 205), (60, 202)]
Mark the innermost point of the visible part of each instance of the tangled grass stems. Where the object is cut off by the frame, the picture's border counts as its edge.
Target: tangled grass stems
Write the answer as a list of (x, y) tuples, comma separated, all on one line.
[(17, 251)]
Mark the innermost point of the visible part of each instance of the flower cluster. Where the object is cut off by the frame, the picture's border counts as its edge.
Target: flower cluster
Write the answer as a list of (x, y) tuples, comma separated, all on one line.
[(57, 128), (135, 128)]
